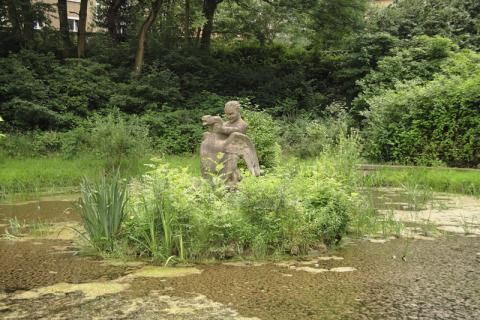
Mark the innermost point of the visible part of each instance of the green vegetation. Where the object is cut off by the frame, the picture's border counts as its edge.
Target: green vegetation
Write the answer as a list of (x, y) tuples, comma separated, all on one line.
[(172, 214), (17, 228), (49, 174), (102, 209), (436, 179), (323, 81), (428, 115)]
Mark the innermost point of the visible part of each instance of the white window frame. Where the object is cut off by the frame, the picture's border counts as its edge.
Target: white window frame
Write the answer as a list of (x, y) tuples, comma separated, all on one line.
[(38, 25), (75, 25)]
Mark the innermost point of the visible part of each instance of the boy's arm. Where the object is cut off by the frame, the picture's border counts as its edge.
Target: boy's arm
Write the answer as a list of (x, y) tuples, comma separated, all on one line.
[(240, 127)]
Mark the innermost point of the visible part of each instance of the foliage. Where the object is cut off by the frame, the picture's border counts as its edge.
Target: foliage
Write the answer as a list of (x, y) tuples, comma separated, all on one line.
[(180, 131), (40, 93), (419, 59), (427, 122), (265, 22), (291, 209), (457, 20), (334, 20), (160, 213), (120, 143), (263, 132), (464, 181), (102, 209)]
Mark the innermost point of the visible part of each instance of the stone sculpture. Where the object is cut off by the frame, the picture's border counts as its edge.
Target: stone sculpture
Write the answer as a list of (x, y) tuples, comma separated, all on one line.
[(224, 144)]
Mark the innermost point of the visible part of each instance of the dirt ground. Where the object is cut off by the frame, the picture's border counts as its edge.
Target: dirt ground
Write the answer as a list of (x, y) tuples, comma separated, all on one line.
[(396, 279)]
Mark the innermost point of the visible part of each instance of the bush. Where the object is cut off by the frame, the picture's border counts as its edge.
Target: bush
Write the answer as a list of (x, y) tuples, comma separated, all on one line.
[(290, 210), (273, 210), (120, 142), (328, 210), (417, 123), (161, 214), (263, 132), (418, 59)]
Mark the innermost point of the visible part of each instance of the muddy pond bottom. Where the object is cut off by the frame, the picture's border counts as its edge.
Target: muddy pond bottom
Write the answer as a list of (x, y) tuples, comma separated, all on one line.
[(398, 279)]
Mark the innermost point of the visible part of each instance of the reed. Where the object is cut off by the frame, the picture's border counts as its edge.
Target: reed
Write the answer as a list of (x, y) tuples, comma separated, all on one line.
[(102, 209)]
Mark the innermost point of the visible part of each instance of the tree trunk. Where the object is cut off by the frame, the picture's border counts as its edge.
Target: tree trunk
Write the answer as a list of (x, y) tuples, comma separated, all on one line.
[(64, 32), (82, 29), (169, 36), (209, 8), (13, 18), (113, 19), (197, 36), (27, 12), (188, 36), (142, 35)]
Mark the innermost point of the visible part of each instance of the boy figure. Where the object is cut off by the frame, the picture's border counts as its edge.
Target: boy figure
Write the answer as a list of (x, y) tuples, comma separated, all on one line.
[(235, 122), (225, 143)]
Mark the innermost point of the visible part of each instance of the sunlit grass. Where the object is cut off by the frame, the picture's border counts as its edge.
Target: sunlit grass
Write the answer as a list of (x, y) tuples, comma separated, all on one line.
[(437, 179), (24, 178), (192, 162)]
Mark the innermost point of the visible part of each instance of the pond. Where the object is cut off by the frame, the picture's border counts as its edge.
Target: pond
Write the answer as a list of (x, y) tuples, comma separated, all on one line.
[(46, 276)]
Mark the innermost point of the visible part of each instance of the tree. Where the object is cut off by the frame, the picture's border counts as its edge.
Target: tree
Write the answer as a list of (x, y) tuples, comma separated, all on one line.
[(265, 21), (142, 34), (82, 25), (18, 17), (113, 19), (14, 19), (455, 19), (335, 19), (188, 34), (64, 31), (27, 12), (209, 8)]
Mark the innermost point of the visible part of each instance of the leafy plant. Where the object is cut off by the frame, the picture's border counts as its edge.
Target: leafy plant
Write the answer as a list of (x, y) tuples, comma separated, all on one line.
[(120, 143), (102, 209)]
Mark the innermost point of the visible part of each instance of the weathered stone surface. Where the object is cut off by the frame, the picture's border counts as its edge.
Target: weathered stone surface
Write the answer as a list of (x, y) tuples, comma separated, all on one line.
[(224, 144)]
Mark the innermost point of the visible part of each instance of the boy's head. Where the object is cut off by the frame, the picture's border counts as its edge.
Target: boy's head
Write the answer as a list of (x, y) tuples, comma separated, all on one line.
[(232, 110)]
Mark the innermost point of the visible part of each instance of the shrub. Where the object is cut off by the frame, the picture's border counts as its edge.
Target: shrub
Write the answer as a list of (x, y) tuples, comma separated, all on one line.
[(272, 208), (161, 212), (178, 131), (424, 123), (328, 210), (263, 132), (121, 143), (305, 137), (291, 209)]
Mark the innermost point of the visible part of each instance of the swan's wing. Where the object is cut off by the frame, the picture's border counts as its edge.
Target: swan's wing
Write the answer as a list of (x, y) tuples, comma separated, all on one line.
[(239, 144)]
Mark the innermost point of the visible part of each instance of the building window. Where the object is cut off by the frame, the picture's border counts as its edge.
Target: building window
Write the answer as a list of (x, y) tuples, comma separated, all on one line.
[(73, 24), (38, 25)]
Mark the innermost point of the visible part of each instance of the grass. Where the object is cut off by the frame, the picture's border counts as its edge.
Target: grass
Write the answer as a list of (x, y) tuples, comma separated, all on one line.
[(25, 178), (192, 162), (17, 228), (434, 179), (49, 174)]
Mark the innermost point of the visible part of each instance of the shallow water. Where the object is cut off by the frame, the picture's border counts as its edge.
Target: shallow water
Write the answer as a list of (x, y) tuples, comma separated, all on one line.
[(55, 209), (444, 212), (391, 279)]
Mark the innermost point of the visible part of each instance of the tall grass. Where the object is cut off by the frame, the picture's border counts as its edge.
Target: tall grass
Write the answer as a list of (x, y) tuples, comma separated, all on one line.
[(22, 176), (102, 209), (435, 179), (26, 177)]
